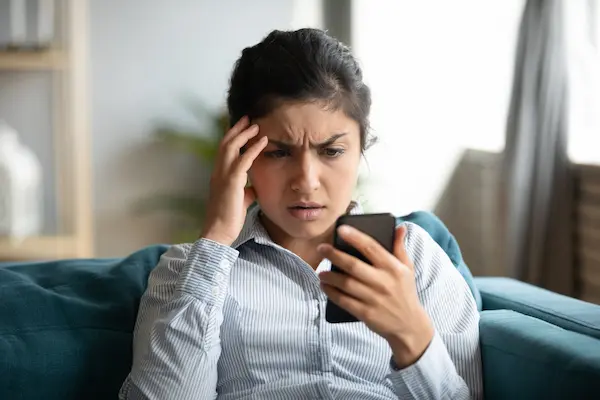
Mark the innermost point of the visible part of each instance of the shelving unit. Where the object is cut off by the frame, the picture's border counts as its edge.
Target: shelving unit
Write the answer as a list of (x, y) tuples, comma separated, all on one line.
[(68, 64), (32, 60), (49, 247)]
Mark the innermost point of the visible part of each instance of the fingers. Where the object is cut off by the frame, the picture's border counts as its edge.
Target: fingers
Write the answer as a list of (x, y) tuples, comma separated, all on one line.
[(231, 149), (348, 303), (347, 284), (367, 246), (400, 247), (237, 128), (230, 161), (238, 141), (246, 160), (350, 265)]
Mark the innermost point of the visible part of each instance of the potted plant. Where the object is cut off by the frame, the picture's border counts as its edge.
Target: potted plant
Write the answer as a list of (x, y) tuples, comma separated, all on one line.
[(202, 145)]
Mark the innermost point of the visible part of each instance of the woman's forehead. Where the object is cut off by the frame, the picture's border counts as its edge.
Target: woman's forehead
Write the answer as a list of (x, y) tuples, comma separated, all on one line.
[(297, 122)]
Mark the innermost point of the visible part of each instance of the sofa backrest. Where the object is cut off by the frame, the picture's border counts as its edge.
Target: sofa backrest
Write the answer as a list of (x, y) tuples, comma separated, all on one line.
[(66, 327)]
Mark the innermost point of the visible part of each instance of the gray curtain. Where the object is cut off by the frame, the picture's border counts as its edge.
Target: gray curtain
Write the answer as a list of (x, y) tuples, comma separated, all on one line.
[(537, 175), (337, 19)]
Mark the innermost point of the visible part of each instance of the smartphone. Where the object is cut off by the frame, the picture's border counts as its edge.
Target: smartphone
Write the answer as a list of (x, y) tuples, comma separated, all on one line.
[(381, 227)]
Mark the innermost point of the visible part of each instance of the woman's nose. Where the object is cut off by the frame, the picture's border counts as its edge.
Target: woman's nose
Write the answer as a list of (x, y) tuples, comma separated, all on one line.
[(306, 179)]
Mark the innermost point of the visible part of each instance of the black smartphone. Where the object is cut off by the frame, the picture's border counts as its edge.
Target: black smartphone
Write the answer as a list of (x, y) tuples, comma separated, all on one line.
[(381, 227)]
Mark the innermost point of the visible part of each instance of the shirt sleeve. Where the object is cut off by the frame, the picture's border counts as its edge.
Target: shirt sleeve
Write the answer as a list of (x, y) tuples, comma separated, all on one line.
[(450, 367), (176, 344)]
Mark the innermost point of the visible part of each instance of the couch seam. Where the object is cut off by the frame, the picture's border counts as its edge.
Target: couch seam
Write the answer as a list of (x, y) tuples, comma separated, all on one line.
[(521, 355), (548, 311)]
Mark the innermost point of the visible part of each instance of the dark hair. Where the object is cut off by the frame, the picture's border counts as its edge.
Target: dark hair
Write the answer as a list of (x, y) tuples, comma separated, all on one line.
[(302, 65)]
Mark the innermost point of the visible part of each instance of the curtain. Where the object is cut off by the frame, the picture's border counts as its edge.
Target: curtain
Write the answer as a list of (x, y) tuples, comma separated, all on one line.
[(537, 175)]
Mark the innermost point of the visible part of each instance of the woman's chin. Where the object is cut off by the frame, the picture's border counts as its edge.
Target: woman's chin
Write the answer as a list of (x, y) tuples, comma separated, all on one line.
[(309, 230), (299, 228)]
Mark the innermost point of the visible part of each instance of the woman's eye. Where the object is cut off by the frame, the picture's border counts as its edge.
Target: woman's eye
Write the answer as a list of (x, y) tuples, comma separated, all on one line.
[(277, 153), (333, 152)]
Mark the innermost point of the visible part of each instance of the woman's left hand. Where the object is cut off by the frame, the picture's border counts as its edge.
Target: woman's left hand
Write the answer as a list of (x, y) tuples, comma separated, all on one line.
[(382, 295)]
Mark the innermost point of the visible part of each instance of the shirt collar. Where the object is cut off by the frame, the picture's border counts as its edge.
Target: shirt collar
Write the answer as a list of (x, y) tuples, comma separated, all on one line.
[(253, 229)]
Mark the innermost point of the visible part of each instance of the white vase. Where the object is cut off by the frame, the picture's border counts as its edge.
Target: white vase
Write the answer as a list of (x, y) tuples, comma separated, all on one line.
[(21, 206)]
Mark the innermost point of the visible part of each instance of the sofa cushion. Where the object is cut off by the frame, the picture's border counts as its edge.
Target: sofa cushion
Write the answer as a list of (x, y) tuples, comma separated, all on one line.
[(66, 327), (527, 358), (442, 236), (566, 312)]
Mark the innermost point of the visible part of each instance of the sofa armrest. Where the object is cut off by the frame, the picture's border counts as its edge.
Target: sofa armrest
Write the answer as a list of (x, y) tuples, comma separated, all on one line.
[(563, 311), (526, 358)]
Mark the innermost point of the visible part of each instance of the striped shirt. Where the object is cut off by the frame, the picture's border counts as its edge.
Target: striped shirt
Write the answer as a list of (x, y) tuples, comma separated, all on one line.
[(247, 321)]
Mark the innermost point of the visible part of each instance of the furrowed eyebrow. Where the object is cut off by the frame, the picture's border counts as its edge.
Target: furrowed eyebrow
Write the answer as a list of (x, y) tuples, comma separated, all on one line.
[(326, 143)]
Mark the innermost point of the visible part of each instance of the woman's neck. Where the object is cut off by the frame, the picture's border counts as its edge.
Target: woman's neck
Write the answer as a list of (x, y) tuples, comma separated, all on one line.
[(306, 249)]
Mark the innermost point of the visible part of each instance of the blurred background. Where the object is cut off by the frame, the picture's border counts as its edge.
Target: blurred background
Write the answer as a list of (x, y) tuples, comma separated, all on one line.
[(487, 113)]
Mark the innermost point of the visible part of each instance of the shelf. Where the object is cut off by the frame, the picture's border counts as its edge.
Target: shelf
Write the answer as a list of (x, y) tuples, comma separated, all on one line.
[(67, 62), (38, 248), (32, 60)]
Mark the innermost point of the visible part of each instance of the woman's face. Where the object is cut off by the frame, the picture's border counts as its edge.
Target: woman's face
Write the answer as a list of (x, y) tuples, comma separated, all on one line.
[(305, 177)]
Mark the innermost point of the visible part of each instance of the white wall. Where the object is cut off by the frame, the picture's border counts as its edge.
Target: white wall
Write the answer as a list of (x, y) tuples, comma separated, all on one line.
[(441, 73), (146, 57)]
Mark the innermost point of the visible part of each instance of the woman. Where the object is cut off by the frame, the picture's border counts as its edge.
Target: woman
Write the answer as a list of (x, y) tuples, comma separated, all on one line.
[(240, 312)]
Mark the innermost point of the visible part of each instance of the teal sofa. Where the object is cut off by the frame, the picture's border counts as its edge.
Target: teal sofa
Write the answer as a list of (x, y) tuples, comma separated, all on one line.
[(66, 331)]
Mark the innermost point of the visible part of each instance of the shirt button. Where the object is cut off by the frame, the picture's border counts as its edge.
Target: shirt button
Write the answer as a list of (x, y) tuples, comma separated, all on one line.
[(215, 291), (218, 278)]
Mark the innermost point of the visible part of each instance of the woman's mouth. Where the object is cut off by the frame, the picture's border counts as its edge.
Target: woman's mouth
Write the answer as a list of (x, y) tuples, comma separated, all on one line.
[(306, 211)]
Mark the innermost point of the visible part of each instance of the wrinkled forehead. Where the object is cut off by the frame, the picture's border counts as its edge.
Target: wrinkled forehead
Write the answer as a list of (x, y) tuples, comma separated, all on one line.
[(297, 123)]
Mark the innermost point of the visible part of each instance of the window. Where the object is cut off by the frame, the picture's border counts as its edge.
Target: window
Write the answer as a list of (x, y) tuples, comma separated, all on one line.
[(582, 18), (441, 77)]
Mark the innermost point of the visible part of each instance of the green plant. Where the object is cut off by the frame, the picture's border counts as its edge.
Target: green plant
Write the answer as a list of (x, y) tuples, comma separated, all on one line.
[(202, 144)]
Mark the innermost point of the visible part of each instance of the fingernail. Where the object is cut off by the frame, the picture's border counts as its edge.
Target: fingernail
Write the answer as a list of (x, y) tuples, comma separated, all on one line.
[(321, 248), (345, 230), (264, 139)]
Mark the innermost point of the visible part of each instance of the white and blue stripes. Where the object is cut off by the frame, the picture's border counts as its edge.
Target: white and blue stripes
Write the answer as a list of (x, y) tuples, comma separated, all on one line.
[(248, 322)]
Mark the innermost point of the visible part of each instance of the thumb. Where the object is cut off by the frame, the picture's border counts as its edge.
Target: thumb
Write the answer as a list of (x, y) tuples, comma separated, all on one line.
[(400, 247), (249, 196)]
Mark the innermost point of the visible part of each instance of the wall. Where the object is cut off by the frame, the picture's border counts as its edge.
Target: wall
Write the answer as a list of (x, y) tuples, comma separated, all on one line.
[(147, 56)]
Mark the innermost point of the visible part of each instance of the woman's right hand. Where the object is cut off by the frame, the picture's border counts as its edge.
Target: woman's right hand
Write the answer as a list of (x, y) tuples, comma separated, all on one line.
[(229, 197)]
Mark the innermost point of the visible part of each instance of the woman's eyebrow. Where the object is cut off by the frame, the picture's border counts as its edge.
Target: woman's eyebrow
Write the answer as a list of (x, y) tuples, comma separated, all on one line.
[(328, 142)]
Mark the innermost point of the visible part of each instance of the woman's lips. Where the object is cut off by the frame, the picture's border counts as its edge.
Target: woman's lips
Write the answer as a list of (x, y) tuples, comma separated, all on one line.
[(306, 213)]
